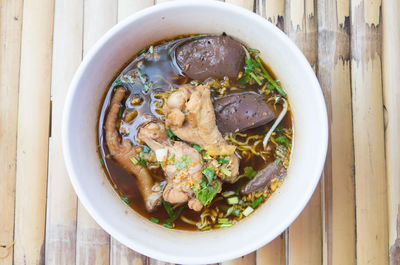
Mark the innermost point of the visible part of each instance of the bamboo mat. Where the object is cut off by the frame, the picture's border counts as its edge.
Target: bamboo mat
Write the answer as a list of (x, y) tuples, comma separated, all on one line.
[(352, 218)]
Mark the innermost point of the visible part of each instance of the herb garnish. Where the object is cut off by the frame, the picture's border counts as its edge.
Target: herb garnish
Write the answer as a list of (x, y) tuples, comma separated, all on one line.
[(168, 226), (183, 162), (171, 159), (209, 173), (102, 162), (174, 215), (121, 109), (142, 162), (134, 160), (253, 50), (226, 171), (141, 51), (249, 172), (171, 135), (256, 202), (117, 83), (125, 200), (197, 147), (154, 220), (168, 208), (206, 193), (222, 161), (283, 140), (255, 70)]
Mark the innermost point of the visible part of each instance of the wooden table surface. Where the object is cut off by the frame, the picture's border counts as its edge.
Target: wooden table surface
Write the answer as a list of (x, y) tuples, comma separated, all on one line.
[(352, 218)]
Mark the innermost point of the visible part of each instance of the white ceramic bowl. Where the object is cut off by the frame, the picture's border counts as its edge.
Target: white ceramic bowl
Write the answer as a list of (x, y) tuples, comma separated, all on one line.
[(107, 57)]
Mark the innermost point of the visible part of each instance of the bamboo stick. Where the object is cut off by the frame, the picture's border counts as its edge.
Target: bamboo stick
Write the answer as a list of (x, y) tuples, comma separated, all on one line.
[(33, 131), (338, 181), (10, 52), (305, 244), (245, 260), (62, 202), (248, 4), (370, 177), (274, 11), (93, 243), (121, 254), (391, 81), (129, 7), (273, 253)]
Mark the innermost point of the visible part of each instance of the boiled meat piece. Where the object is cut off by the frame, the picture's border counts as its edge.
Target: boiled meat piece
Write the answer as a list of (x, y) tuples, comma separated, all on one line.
[(182, 164), (199, 126)]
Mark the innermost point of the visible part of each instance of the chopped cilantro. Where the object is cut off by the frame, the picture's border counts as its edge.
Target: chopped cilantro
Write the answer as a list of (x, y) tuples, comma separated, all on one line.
[(171, 135), (278, 161), (183, 162), (171, 159), (283, 140), (209, 173), (222, 161), (125, 200), (278, 129), (249, 172), (226, 171), (206, 193), (197, 147)]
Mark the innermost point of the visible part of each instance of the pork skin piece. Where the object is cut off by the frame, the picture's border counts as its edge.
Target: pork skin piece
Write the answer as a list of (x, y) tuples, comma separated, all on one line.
[(180, 181)]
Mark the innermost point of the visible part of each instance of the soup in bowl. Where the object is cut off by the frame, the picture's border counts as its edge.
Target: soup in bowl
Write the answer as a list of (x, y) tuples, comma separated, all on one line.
[(197, 138)]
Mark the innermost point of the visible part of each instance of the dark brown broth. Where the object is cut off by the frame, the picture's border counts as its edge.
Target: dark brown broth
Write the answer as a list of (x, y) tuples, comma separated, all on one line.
[(164, 74)]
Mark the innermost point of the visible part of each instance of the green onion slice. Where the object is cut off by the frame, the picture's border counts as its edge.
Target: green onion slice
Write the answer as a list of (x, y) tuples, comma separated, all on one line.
[(233, 200), (256, 202), (154, 220), (125, 199)]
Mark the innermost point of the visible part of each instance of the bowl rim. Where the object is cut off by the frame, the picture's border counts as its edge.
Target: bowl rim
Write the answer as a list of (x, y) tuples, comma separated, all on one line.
[(73, 176)]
